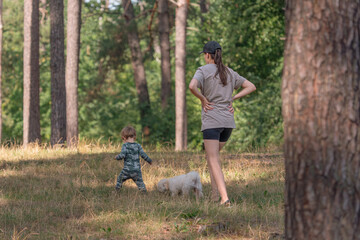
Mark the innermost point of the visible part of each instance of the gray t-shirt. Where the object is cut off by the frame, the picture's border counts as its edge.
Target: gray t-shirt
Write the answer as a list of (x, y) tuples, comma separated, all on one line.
[(214, 91)]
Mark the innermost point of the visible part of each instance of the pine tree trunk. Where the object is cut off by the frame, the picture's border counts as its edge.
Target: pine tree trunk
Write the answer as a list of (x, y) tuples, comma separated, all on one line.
[(138, 66), (57, 66), (1, 37), (31, 108), (320, 93), (164, 31), (180, 81), (72, 71)]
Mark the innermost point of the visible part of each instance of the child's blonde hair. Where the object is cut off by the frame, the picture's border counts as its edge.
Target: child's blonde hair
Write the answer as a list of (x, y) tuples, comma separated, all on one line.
[(128, 132)]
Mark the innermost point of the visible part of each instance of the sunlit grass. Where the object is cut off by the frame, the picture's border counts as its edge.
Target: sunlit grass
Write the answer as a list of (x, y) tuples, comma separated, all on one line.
[(68, 194)]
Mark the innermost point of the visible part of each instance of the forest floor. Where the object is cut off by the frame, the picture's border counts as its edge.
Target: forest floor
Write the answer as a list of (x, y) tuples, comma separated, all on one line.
[(66, 194)]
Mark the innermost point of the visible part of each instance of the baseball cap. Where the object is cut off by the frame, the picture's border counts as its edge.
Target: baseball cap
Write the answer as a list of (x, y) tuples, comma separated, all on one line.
[(210, 47)]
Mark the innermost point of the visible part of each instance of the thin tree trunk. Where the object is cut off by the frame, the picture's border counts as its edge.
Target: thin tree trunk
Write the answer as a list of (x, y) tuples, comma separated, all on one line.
[(72, 71), (204, 8), (164, 32), (321, 94), (105, 5), (180, 81), (1, 37), (43, 12), (44, 15), (57, 65), (31, 108), (138, 66)]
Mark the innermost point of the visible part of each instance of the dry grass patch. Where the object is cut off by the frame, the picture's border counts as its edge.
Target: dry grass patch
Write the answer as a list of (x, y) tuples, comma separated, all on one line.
[(64, 194)]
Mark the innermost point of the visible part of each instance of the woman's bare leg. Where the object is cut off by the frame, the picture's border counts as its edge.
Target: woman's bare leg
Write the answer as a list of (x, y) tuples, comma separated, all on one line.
[(212, 148), (214, 189)]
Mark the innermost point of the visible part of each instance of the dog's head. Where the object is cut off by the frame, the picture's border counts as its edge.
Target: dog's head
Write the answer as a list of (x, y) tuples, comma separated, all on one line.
[(163, 185)]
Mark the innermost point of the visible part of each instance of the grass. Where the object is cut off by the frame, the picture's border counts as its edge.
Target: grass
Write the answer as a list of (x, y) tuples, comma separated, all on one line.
[(65, 194)]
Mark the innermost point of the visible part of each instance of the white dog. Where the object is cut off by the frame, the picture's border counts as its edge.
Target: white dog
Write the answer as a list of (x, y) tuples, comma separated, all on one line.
[(182, 184)]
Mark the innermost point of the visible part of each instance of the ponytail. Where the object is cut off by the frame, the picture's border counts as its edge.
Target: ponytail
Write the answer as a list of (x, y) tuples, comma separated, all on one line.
[(221, 68)]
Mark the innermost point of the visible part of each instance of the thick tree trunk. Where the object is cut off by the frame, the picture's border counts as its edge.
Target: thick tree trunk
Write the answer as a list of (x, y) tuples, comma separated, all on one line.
[(31, 105), (57, 65), (1, 37), (180, 81), (164, 31), (137, 64), (321, 94), (72, 71)]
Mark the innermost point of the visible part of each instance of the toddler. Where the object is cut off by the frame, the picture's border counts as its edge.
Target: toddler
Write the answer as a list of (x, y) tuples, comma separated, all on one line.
[(130, 152)]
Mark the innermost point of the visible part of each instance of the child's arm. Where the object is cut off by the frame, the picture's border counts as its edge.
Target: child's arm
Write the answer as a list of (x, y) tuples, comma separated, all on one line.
[(122, 154), (144, 155)]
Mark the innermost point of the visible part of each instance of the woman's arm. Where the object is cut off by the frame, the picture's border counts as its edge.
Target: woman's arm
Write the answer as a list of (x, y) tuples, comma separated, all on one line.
[(247, 87), (206, 105)]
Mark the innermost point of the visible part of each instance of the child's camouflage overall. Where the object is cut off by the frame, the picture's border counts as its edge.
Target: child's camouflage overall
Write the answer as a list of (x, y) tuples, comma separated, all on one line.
[(130, 153)]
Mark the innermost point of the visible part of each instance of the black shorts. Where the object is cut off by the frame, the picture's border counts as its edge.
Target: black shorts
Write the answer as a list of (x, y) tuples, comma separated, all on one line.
[(221, 134)]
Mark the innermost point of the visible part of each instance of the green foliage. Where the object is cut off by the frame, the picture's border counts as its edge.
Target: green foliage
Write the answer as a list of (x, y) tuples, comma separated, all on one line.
[(250, 33), (12, 65)]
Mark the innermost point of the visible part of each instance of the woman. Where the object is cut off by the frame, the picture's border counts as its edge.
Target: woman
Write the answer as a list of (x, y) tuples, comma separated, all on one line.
[(217, 83)]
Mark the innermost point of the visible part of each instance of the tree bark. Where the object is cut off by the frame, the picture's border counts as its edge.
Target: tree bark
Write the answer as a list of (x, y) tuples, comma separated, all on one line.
[(180, 81), (320, 93), (57, 65), (164, 31), (1, 37), (138, 66), (31, 108), (72, 71)]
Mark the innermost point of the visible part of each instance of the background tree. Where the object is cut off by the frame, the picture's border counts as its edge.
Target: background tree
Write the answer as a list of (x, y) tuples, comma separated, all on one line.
[(72, 70), (137, 64), (57, 65), (31, 107), (164, 31), (204, 6), (180, 81), (1, 34), (320, 95), (43, 12)]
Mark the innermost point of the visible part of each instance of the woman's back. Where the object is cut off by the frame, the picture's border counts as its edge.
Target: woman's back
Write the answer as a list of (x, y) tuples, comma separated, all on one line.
[(211, 86)]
